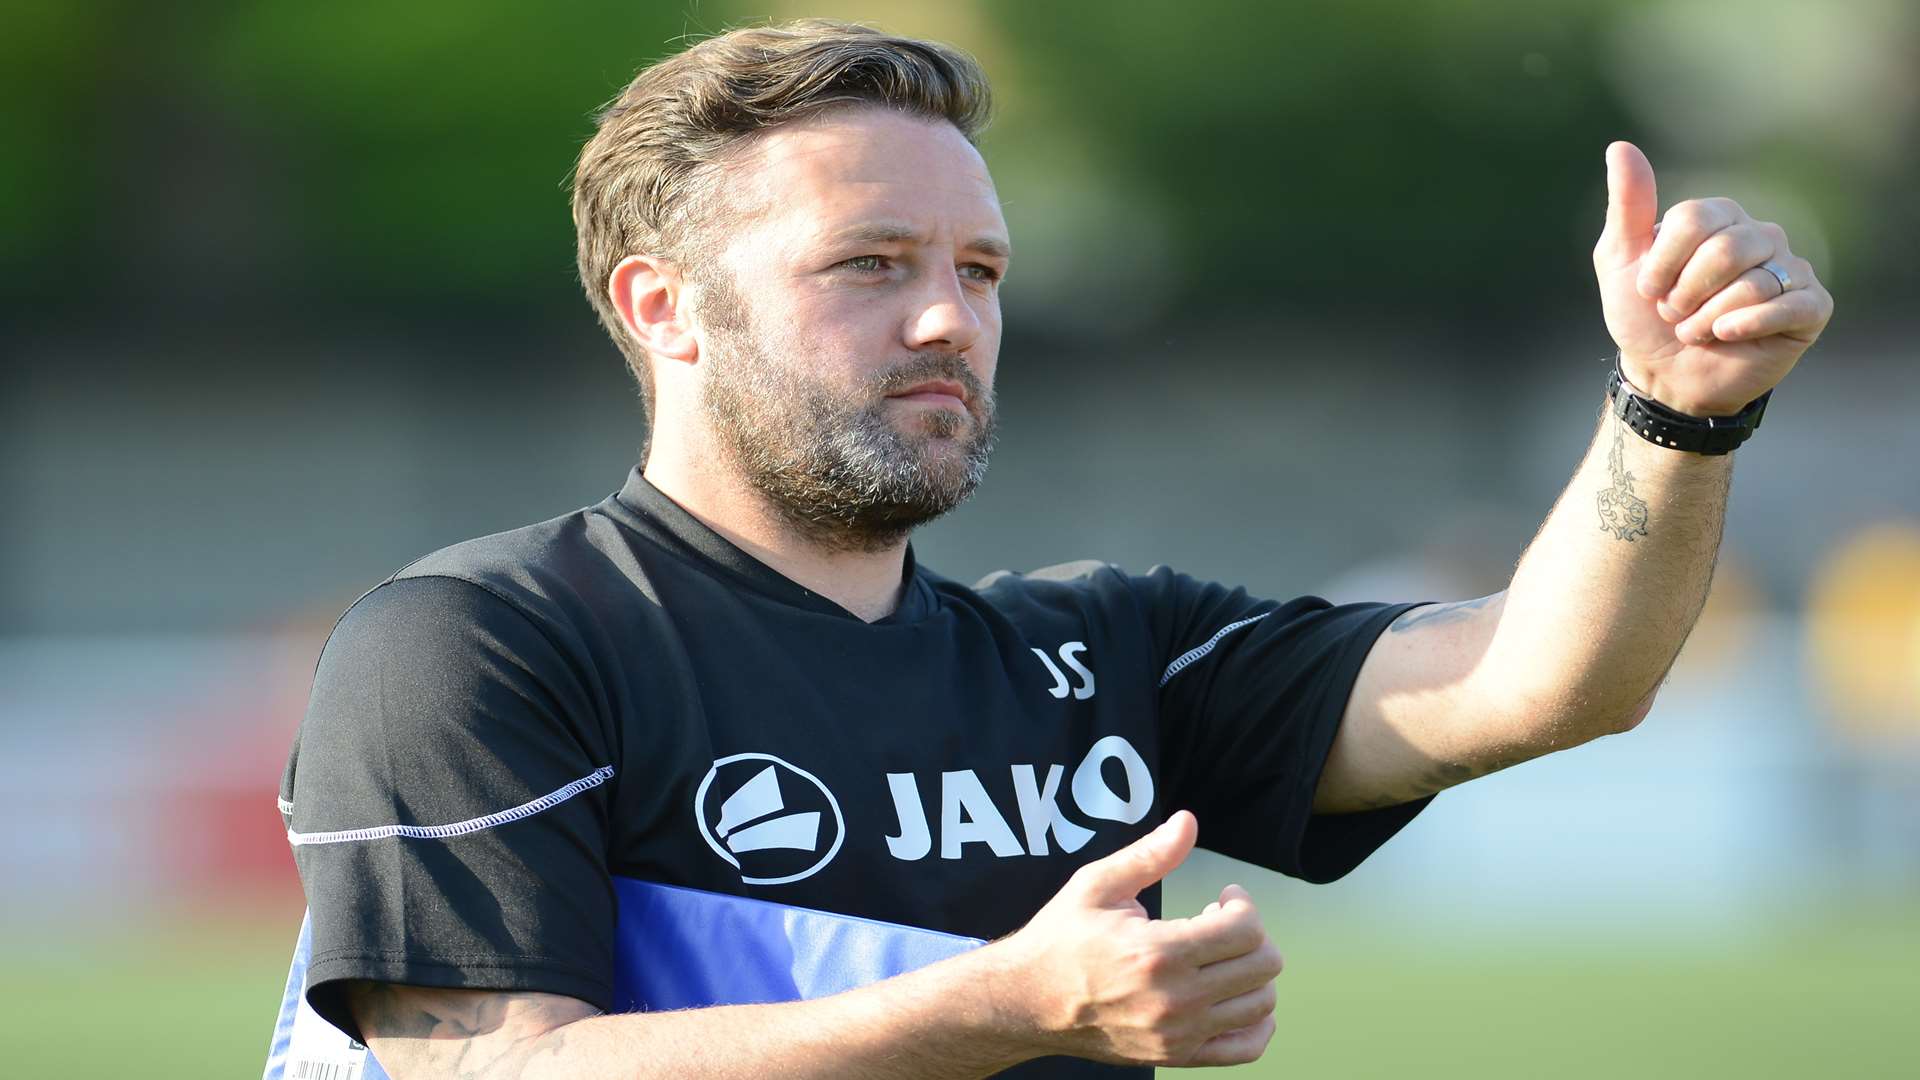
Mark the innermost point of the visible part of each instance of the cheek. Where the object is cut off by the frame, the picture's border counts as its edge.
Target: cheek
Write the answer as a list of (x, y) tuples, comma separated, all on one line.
[(984, 357)]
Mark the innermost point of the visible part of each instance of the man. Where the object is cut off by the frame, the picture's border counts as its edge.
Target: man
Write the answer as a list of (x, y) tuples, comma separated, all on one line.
[(732, 680)]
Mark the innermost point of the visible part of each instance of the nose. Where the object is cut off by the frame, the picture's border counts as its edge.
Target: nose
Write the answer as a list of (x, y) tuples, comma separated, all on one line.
[(944, 318)]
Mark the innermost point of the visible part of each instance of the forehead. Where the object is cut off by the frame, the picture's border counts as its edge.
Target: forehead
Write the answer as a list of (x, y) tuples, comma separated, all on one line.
[(810, 181)]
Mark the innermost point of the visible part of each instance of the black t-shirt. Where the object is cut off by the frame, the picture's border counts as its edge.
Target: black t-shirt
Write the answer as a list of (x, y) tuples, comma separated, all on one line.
[(503, 727)]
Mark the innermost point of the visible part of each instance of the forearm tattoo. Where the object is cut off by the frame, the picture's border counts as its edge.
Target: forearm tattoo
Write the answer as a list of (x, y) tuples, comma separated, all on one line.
[(465, 1034), (1621, 512)]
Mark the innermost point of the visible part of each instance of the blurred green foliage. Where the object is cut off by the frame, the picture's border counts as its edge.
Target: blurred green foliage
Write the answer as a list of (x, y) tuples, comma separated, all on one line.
[(428, 143), (1413, 158), (1330, 151)]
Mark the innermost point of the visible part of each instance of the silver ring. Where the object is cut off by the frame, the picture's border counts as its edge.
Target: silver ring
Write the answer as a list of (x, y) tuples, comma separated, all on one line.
[(1780, 274)]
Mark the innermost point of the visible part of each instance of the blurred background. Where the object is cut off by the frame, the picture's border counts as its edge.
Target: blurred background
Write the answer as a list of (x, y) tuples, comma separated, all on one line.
[(287, 300)]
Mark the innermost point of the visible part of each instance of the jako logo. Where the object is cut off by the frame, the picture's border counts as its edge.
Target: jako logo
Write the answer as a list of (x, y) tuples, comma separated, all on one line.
[(968, 814), (770, 819)]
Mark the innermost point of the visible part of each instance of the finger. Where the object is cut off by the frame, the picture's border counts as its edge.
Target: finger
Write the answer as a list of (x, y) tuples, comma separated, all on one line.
[(1121, 875), (1800, 313), (1243, 1010), (1751, 289), (1714, 265), (1684, 229), (1250, 971), (1226, 894), (1232, 929), (1235, 1047), (1632, 202)]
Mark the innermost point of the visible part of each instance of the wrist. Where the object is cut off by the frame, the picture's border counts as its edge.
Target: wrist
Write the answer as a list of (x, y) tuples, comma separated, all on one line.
[(1651, 387), (997, 1008), (1664, 425)]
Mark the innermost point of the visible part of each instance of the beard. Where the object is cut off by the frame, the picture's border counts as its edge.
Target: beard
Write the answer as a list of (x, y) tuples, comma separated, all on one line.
[(836, 464)]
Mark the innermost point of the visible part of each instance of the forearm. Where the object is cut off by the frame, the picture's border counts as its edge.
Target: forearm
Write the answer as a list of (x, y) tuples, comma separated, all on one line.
[(943, 1022), (1092, 975), (939, 1022), (1610, 587)]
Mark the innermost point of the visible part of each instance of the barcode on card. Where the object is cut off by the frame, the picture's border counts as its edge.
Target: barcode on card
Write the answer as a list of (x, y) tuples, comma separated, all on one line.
[(309, 1069)]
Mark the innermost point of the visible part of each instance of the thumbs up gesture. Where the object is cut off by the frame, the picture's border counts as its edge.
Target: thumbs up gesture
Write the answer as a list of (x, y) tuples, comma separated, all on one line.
[(1709, 307), (1098, 978)]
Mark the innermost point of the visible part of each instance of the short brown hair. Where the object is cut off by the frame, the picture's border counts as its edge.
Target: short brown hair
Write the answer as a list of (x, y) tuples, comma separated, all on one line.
[(638, 187)]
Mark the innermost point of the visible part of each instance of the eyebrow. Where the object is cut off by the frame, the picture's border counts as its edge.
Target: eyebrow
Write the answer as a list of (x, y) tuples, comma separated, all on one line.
[(991, 246)]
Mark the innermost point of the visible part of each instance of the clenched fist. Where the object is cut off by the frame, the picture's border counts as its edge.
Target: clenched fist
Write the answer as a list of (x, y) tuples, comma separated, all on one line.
[(1097, 978), (1695, 300)]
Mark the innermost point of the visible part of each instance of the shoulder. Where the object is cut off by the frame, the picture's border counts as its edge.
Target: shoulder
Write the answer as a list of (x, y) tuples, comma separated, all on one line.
[(530, 567), (1076, 585), (526, 591), (471, 642), (1093, 583)]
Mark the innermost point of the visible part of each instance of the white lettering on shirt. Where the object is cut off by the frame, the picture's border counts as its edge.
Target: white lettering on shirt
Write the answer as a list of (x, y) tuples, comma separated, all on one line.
[(1040, 811), (1091, 793), (968, 814), (914, 841)]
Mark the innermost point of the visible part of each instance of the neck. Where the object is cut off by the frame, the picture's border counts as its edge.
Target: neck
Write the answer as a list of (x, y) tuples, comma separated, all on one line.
[(866, 583)]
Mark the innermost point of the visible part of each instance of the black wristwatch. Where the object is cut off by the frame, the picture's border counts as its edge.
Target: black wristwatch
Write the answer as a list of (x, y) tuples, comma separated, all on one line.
[(1675, 430)]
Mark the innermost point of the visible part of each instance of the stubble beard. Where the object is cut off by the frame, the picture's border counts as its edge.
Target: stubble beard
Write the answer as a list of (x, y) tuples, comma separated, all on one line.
[(837, 466)]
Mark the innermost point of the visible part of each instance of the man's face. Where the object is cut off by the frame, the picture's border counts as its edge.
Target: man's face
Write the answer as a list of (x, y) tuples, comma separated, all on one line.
[(851, 324)]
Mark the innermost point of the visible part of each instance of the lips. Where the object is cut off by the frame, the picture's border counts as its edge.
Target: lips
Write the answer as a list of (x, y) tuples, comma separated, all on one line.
[(933, 388)]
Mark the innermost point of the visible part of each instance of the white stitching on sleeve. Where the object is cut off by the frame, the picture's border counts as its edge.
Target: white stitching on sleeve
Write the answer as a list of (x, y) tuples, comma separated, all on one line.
[(1200, 651), (459, 828)]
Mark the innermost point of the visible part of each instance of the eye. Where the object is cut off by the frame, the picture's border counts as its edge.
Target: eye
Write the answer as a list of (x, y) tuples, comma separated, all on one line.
[(866, 264), (981, 272)]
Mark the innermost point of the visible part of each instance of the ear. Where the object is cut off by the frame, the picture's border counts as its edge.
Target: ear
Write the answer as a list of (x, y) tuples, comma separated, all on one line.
[(647, 291)]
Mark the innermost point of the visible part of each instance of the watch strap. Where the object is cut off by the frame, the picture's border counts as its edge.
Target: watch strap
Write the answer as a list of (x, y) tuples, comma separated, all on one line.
[(1676, 430)]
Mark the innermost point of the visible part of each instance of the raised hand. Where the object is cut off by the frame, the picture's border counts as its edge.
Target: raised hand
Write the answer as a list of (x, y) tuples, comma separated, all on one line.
[(1099, 979), (1703, 325)]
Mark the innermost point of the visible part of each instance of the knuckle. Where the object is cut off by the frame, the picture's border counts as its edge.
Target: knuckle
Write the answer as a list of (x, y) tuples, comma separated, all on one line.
[(1174, 1050), (1180, 1008), (1154, 963), (1159, 1011), (1686, 217), (1246, 939), (1745, 292), (1721, 248), (1725, 207)]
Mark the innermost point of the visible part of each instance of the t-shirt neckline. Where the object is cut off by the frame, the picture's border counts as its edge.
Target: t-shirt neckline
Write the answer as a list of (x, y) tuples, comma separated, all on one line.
[(650, 511)]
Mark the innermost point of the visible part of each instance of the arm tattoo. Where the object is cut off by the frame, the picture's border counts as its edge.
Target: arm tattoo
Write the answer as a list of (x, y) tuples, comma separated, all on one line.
[(1621, 512), (473, 1035), (1439, 614)]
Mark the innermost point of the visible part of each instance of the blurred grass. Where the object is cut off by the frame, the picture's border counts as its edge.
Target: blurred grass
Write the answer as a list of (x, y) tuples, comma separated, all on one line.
[(1831, 997)]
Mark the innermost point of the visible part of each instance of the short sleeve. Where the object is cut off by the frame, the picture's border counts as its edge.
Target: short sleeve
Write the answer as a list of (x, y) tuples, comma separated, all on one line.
[(1251, 696), (447, 796)]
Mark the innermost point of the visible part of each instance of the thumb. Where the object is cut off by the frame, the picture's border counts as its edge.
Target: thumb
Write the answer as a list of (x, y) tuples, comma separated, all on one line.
[(1121, 875), (1633, 204)]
